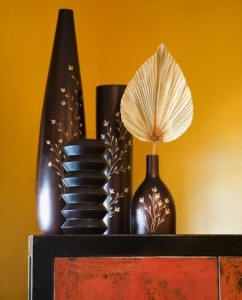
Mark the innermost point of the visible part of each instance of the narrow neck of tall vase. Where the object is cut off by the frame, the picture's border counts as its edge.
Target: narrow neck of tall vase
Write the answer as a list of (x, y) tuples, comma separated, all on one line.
[(152, 166)]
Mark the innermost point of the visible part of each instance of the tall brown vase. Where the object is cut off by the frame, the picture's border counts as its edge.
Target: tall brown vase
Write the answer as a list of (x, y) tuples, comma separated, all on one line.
[(118, 141), (152, 207), (62, 120)]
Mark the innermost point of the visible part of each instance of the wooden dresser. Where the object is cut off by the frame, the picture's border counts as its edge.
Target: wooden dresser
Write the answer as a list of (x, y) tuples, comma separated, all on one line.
[(124, 267)]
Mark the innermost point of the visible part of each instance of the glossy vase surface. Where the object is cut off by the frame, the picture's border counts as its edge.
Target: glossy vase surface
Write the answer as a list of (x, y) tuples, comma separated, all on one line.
[(110, 129), (153, 208), (62, 120), (83, 193)]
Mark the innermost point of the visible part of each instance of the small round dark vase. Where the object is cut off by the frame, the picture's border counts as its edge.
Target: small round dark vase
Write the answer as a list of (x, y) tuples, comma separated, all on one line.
[(152, 207)]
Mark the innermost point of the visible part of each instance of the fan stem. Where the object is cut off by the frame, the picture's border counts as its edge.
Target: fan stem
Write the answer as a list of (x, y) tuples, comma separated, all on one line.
[(154, 148)]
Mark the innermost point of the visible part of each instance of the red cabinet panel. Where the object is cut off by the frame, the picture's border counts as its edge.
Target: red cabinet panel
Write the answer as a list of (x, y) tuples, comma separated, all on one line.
[(230, 278), (127, 278)]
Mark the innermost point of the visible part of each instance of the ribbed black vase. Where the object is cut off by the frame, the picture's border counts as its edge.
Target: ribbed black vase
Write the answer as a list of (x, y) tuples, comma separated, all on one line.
[(84, 193), (111, 131), (62, 120), (152, 207)]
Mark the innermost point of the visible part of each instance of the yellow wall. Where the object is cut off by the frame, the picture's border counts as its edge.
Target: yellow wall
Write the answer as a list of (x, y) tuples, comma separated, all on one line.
[(203, 168)]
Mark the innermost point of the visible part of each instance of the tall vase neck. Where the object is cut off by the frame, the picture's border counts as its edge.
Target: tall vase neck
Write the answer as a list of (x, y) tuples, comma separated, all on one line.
[(152, 165)]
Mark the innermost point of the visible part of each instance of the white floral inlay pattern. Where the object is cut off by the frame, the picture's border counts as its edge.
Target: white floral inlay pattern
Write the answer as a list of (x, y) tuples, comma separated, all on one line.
[(115, 157), (156, 210)]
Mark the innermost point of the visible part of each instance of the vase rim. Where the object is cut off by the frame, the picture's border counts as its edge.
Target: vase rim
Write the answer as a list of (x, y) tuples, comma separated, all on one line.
[(65, 9), (111, 85)]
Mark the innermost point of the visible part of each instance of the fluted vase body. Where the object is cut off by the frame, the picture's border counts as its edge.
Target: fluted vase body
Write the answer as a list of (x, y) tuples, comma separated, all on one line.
[(83, 193)]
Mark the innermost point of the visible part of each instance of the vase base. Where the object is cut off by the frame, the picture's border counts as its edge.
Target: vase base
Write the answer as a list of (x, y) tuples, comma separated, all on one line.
[(84, 226)]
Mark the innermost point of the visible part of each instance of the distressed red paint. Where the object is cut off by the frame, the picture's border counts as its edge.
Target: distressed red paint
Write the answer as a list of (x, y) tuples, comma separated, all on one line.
[(127, 278), (231, 278)]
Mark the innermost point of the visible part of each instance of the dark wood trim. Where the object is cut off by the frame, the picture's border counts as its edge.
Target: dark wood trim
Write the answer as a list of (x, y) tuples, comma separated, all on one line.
[(44, 249)]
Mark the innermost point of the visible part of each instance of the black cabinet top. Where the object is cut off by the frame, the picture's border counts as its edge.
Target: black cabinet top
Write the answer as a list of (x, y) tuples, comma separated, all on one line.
[(136, 245), (44, 249)]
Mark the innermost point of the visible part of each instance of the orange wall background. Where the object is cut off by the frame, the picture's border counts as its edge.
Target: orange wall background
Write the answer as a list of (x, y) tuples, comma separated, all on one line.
[(203, 168)]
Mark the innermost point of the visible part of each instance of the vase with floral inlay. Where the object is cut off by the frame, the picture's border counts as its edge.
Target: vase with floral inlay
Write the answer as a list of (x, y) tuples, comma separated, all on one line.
[(110, 129), (152, 207), (62, 121)]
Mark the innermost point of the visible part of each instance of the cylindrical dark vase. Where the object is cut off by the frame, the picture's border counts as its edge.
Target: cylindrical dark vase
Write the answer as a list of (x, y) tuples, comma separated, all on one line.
[(152, 207), (110, 129), (84, 193), (62, 120)]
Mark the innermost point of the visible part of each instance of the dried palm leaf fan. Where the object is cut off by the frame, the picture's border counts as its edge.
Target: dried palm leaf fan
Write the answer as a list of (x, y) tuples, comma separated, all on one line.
[(157, 105)]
